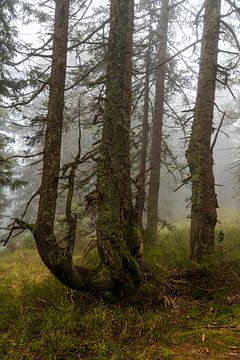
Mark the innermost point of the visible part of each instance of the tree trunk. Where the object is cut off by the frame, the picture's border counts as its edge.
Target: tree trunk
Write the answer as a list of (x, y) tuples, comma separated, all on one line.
[(199, 154), (57, 259), (117, 233), (140, 198), (118, 238), (155, 162)]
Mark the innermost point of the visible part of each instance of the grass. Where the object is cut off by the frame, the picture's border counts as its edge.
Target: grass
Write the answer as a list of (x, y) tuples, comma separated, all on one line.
[(182, 311)]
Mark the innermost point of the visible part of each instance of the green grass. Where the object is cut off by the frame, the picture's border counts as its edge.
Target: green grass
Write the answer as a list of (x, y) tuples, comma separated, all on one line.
[(177, 304)]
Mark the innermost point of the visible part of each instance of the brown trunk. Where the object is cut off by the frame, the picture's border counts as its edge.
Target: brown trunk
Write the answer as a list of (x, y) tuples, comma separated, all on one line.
[(117, 235), (57, 259), (155, 162), (140, 198), (199, 154)]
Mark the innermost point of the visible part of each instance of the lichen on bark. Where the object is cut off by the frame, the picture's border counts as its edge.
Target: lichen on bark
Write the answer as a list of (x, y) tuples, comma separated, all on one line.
[(199, 153), (118, 241)]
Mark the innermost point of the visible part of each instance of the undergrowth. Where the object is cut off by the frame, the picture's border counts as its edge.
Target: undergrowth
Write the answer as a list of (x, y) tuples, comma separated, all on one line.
[(181, 311)]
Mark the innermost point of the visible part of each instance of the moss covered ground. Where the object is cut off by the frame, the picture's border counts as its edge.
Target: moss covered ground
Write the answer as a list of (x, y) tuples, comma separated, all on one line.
[(181, 311)]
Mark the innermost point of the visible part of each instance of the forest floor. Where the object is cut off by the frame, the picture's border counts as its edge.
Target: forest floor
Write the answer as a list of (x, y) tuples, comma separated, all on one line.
[(182, 311)]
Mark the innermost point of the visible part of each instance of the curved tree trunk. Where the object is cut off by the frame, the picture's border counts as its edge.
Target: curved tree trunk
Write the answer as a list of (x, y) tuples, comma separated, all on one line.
[(118, 238), (155, 162), (199, 154), (56, 258), (117, 233)]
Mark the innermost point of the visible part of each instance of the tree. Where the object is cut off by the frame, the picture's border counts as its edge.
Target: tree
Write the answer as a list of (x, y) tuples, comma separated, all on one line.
[(7, 83), (140, 198), (117, 231), (7, 47), (118, 238), (155, 161), (199, 152)]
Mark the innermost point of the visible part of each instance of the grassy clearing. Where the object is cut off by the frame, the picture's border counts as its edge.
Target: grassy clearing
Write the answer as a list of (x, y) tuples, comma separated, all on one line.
[(182, 311)]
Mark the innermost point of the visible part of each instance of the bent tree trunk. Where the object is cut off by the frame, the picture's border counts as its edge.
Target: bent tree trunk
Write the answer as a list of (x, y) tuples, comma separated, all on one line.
[(155, 162), (118, 236), (56, 258), (199, 154)]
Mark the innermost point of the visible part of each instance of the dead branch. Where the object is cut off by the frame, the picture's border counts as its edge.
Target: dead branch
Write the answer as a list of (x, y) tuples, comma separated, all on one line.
[(218, 130), (29, 202), (88, 37), (21, 156), (183, 182)]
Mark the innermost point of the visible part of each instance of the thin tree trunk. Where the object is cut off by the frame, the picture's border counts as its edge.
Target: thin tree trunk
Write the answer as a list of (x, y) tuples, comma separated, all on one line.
[(155, 162), (56, 258), (199, 154), (140, 198), (117, 234)]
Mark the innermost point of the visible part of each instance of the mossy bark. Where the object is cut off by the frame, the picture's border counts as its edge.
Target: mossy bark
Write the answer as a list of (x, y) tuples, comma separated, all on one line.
[(117, 233), (199, 153), (155, 160)]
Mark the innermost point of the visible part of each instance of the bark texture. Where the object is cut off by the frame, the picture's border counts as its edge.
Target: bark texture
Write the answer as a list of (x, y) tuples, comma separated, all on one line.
[(199, 154), (57, 259), (117, 233), (118, 237), (155, 160), (140, 198)]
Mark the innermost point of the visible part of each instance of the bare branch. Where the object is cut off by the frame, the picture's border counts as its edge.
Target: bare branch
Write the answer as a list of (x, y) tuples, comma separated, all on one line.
[(218, 130), (21, 156)]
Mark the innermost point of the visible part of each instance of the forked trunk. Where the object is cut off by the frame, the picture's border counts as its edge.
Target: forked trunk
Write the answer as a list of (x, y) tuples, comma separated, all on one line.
[(117, 235)]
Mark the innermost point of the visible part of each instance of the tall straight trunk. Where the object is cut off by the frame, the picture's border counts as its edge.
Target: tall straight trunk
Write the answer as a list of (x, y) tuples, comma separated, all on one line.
[(199, 153), (117, 234), (140, 198), (155, 160)]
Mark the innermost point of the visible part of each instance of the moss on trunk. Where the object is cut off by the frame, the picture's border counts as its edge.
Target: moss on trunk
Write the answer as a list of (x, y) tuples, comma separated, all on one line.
[(199, 153), (118, 239)]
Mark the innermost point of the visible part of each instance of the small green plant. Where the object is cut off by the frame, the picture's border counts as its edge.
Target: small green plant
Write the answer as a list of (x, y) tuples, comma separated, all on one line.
[(168, 354)]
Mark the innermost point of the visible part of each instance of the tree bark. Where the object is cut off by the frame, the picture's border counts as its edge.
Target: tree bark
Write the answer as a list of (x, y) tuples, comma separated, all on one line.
[(57, 259), (117, 234), (140, 198), (199, 154), (155, 160), (118, 238)]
